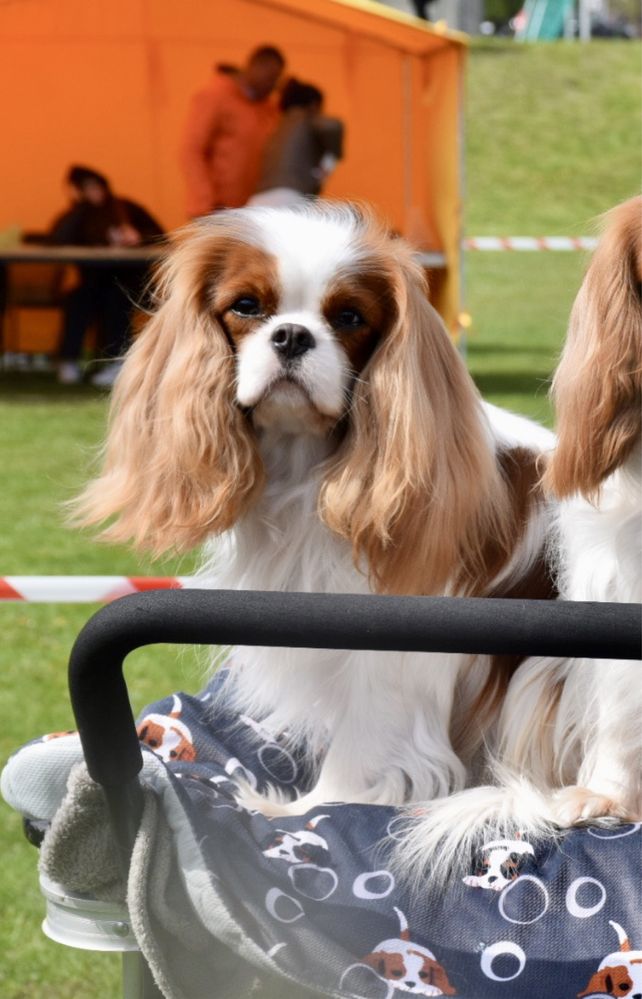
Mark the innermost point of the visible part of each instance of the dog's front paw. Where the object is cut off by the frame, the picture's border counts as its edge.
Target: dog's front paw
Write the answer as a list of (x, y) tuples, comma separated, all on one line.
[(579, 805)]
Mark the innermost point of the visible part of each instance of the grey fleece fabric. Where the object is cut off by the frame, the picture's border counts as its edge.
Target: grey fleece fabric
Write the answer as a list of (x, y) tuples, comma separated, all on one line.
[(185, 953)]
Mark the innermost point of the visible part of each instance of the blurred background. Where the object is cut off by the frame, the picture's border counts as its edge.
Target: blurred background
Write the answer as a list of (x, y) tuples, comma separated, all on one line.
[(459, 120)]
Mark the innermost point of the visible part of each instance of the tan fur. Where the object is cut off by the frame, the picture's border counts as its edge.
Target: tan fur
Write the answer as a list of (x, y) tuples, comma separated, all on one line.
[(597, 388), (181, 461), (413, 487)]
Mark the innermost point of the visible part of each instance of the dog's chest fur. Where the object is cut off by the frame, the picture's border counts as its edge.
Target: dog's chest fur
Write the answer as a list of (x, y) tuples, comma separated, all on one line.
[(282, 545), (602, 541)]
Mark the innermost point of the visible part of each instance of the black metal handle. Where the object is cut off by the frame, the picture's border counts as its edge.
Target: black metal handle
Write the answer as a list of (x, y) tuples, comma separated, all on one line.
[(308, 620), (304, 620)]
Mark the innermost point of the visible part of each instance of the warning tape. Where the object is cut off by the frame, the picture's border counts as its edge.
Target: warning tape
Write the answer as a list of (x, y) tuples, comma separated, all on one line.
[(82, 589), (530, 243)]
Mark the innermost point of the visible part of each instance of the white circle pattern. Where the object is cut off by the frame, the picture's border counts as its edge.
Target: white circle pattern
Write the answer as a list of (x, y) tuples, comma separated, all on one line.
[(507, 890), (363, 971), (272, 899), (635, 827), (583, 911), (497, 950), (271, 755), (359, 887), (294, 872)]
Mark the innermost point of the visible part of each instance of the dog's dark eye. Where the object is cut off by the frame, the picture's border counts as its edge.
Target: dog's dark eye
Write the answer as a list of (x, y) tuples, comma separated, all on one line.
[(348, 319), (246, 305)]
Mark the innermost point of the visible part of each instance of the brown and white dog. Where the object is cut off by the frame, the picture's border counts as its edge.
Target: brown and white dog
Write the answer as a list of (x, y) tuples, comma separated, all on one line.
[(296, 404), (302, 846), (499, 864), (167, 735), (409, 966), (619, 974), (585, 736), (569, 741)]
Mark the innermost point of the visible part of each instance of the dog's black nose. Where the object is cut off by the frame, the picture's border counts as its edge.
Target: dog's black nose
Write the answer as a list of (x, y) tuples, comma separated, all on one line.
[(493, 877), (292, 341), (410, 985)]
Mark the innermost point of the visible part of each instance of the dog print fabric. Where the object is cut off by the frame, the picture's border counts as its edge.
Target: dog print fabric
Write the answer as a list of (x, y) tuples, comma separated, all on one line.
[(317, 895), (620, 973), (528, 919)]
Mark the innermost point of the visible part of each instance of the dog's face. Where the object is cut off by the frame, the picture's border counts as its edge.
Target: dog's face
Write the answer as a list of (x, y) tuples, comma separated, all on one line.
[(613, 980), (411, 967), (499, 864), (619, 974), (314, 322), (303, 316), (168, 737), (302, 847)]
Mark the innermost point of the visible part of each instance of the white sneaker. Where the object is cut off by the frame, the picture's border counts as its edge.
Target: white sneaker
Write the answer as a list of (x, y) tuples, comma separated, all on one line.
[(15, 362), (69, 373), (106, 377)]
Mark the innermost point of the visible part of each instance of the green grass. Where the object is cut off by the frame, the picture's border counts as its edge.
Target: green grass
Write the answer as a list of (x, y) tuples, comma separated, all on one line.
[(48, 439), (520, 304), (553, 135), (553, 139)]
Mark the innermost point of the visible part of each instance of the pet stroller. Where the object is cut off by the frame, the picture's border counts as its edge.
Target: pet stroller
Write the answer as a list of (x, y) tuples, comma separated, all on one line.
[(226, 903)]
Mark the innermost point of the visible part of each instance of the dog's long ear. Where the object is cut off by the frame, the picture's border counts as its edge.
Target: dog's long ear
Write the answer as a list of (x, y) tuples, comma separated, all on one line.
[(180, 460), (605, 982), (414, 487), (597, 389)]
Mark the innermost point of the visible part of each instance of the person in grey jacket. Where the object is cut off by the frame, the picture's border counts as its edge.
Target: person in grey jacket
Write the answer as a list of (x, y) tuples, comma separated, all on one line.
[(302, 152)]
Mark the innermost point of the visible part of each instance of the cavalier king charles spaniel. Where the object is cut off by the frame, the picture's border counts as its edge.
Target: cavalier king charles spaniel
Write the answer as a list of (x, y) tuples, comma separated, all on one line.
[(578, 758), (296, 406), (593, 751)]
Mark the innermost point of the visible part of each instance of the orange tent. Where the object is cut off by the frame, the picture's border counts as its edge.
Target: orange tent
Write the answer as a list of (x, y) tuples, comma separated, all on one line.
[(109, 85)]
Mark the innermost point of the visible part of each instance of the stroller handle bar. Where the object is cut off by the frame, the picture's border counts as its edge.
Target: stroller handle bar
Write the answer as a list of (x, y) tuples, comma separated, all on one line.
[(99, 695)]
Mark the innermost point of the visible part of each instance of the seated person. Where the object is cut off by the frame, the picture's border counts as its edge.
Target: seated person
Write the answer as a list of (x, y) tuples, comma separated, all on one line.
[(97, 217), (302, 152)]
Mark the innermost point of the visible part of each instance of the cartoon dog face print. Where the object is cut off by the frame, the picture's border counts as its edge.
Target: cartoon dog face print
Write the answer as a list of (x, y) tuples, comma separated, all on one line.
[(303, 846), (500, 863), (409, 966), (167, 735), (620, 973)]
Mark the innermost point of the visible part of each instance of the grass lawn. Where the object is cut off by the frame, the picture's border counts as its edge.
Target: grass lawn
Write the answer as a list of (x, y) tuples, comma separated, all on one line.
[(553, 139)]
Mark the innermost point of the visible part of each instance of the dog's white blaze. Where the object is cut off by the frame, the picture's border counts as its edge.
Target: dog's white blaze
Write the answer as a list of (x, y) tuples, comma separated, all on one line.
[(323, 371)]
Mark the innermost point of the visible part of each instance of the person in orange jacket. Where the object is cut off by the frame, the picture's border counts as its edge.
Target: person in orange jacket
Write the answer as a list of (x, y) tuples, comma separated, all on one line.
[(228, 125)]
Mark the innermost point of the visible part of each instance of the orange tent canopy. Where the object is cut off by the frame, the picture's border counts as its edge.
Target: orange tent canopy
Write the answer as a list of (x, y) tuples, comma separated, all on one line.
[(109, 86)]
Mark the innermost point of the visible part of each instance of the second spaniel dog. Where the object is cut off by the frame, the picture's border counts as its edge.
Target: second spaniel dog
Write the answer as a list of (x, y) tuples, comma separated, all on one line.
[(568, 744), (592, 750), (296, 405)]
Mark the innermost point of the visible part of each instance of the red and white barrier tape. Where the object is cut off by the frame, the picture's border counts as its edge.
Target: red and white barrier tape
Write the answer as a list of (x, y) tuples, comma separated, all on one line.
[(82, 589), (530, 243)]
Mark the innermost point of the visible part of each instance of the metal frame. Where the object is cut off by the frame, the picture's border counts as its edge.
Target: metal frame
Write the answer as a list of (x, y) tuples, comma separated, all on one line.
[(100, 699)]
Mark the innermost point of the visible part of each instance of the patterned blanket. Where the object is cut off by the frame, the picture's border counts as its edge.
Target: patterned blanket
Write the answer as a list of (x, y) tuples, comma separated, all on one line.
[(312, 898)]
